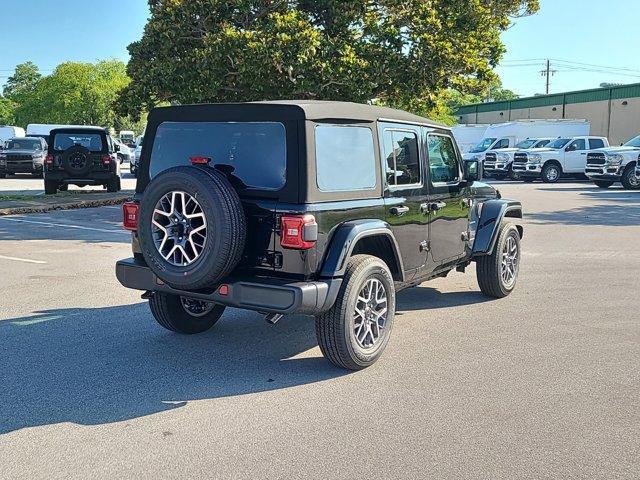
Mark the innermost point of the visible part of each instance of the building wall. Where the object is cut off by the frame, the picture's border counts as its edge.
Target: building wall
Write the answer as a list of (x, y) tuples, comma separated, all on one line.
[(546, 113), (493, 117), (596, 112), (519, 114), (625, 120)]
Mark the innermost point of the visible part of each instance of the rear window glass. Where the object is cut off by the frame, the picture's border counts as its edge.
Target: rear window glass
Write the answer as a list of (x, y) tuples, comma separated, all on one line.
[(254, 153), (345, 158), (91, 141)]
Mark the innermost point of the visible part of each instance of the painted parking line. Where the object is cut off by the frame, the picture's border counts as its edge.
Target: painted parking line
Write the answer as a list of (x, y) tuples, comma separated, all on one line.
[(64, 225), (24, 260)]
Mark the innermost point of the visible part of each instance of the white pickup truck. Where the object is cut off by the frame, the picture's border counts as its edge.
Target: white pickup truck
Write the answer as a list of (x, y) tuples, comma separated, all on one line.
[(498, 163), (615, 164), (564, 156)]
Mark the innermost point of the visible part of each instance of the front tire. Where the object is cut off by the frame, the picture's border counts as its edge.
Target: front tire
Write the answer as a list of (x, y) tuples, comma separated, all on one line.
[(183, 315), (354, 333), (602, 183), (551, 173), (498, 273), (629, 179)]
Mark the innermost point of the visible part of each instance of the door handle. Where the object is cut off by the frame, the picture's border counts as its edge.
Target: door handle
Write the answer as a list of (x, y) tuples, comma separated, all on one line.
[(399, 211)]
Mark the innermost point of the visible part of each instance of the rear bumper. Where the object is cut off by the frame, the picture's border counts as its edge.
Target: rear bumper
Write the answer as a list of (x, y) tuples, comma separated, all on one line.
[(258, 294), (91, 178)]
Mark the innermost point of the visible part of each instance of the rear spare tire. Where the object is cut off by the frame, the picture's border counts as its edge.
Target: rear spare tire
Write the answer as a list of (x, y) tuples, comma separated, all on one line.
[(192, 227)]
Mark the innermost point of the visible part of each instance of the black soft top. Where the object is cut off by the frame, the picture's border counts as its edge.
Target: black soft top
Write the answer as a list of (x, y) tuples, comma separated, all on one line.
[(314, 110)]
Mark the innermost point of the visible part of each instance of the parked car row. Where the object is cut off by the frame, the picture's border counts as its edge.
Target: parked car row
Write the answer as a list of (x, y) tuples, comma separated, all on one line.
[(568, 151)]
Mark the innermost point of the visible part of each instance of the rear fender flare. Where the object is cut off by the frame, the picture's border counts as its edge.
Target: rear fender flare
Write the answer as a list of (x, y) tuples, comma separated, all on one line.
[(345, 239), (493, 212)]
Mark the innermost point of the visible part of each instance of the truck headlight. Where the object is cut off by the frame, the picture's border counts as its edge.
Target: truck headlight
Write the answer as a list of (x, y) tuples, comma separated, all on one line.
[(503, 157), (535, 159), (615, 160)]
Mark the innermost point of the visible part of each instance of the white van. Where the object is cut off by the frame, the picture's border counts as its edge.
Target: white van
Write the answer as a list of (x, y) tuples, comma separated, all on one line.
[(43, 130), (504, 137), (8, 132), (468, 136)]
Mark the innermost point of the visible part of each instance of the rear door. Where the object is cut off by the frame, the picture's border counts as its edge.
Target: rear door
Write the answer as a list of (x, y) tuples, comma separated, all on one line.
[(405, 191), (449, 204)]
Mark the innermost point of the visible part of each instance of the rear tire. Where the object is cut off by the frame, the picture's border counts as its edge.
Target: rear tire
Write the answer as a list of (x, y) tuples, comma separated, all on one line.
[(50, 187), (346, 333), (629, 179), (551, 173), (185, 316), (497, 274), (113, 185), (602, 183)]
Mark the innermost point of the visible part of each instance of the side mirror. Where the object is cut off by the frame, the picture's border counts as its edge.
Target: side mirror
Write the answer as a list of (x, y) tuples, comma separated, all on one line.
[(116, 147), (570, 148), (472, 171)]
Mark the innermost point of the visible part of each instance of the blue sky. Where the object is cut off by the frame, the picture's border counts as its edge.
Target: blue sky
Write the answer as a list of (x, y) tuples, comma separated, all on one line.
[(605, 34)]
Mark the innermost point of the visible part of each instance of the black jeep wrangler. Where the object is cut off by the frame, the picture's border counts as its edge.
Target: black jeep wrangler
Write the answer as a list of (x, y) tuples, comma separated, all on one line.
[(81, 156), (318, 208)]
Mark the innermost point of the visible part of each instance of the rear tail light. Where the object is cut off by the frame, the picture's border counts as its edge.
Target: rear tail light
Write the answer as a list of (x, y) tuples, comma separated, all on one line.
[(130, 216), (49, 160), (199, 160), (106, 159), (298, 231)]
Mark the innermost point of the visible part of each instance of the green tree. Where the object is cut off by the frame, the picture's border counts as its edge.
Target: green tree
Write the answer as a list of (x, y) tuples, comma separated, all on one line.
[(7, 111), (75, 93), (24, 79), (401, 52)]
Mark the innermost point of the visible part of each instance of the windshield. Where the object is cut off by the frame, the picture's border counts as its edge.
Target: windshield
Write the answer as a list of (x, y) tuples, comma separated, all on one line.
[(91, 141), (526, 144), (634, 142), (560, 143), (23, 144), (483, 145)]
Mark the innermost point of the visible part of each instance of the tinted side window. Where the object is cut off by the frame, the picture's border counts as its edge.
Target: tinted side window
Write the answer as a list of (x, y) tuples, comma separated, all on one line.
[(252, 153), (543, 143), (345, 158), (443, 162), (595, 143), (401, 157), (504, 143), (579, 144)]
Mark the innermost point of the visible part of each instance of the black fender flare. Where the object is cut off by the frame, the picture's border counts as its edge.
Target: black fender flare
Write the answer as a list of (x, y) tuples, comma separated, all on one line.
[(493, 212), (344, 240)]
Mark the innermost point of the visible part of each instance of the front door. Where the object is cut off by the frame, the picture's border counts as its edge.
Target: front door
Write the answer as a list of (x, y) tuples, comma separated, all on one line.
[(405, 192), (575, 156), (449, 205)]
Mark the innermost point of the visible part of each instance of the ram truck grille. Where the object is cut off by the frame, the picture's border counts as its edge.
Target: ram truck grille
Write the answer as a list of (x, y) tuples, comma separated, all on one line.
[(596, 159)]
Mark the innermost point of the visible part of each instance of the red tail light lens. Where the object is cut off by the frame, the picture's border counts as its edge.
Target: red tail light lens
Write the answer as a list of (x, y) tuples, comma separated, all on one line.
[(130, 216), (200, 160), (49, 159), (106, 159), (299, 232)]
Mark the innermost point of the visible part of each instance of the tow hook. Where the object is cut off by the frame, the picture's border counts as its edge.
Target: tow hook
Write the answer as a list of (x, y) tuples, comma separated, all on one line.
[(273, 318)]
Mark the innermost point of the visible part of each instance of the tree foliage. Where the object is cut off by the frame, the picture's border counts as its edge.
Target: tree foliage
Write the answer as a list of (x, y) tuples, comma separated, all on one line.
[(400, 52), (75, 93), (24, 79)]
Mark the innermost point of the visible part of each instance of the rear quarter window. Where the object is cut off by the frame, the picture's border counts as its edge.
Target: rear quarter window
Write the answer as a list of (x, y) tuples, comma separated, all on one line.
[(345, 158), (254, 153)]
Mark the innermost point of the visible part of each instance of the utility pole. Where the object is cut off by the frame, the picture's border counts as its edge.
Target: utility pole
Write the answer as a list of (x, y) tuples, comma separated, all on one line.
[(548, 73)]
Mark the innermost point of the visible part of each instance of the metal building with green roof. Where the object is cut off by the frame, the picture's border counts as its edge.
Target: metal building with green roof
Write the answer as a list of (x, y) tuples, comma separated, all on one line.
[(613, 112)]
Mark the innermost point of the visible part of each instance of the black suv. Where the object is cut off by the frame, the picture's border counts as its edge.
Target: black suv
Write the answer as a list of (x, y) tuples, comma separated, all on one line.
[(23, 155), (317, 208), (81, 156)]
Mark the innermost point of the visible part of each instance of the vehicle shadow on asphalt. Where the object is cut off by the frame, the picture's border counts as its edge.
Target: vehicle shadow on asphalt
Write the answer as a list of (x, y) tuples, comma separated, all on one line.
[(427, 298), (615, 209), (103, 365)]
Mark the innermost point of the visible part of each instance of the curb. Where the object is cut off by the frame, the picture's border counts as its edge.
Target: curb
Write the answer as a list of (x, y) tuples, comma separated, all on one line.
[(42, 208)]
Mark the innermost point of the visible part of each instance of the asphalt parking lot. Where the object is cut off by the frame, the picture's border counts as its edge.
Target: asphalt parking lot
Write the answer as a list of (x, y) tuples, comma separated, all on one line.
[(28, 185), (543, 383)]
